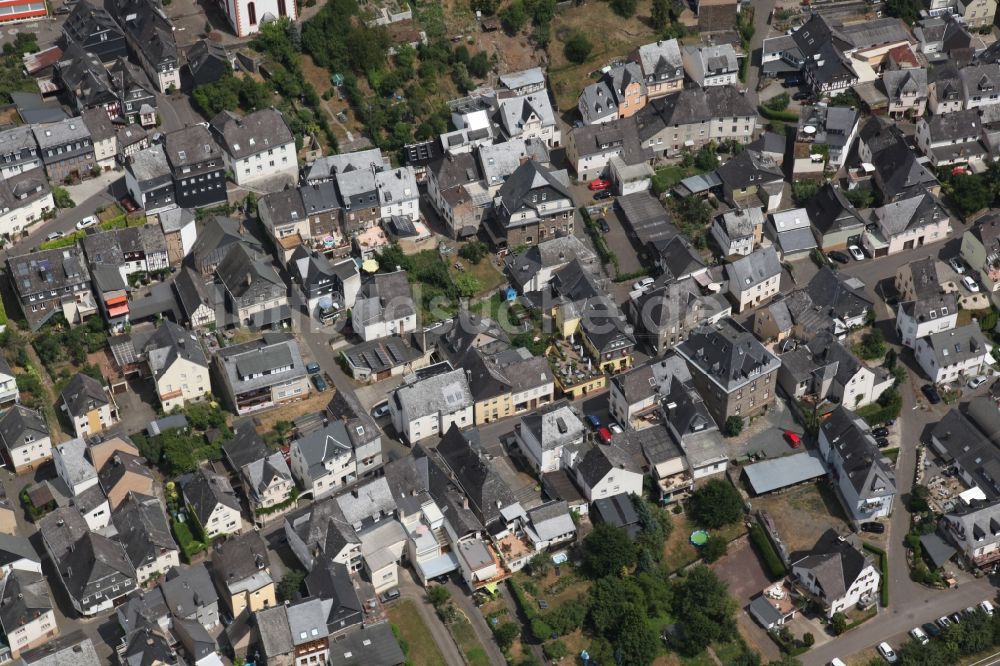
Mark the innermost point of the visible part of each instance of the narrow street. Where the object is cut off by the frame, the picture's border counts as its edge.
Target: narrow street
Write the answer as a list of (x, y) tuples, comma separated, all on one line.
[(409, 589), (762, 11)]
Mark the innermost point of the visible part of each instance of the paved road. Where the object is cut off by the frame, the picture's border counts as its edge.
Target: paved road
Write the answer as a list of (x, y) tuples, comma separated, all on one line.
[(762, 10), (478, 622), (910, 604)]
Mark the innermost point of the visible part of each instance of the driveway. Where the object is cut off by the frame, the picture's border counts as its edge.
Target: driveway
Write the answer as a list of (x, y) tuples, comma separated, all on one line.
[(743, 574), (409, 589)]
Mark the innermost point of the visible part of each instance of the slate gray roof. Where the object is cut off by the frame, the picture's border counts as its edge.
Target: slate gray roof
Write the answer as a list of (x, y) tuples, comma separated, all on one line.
[(246, 446), (600, 460), (169, 343), (529, 179), (329, 166), (273, 351), (331, 580), (24, 597), (142, 528), (323, 526), (149, 164), (258, 131), (830, 211), (445, 393), (941, 305), (307, 620), (976, 526), (835, 562), (753, 269), (239, 558), (275, 633), (862, 462), (513, 112), (367, 499), (838, 295), (374, 645), (215, 237), (190, 146), (603, 98), (188, 588), (318, 198), (387, 296), (911, 212), (692, 106), (486, 490), (243, 268), (727, 353), (21, 426), (554, 425), (661, 61), (83, 393), (58, 134), (957, 345), (901, 82), (73, 649), (206, 491)]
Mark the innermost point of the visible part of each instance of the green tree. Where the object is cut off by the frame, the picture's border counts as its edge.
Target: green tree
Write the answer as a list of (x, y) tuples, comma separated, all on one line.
[(715, 504), (733, 426), (872, 345), (838, 622), (609, 599), (438, 595), (555, 650), (513, 17), (608, 551), (702, 604), (860, 197), (778, 102), (467, 285), (624, 8), (474, 251), (62, 198), (636, 641), (971, 193), (808, 639), (506, 633), (803, 191), (180, 453), (539, 565), (479, 65), (918, 498), (578, 48), (707, 159), (656, 527), (660, 14), (908, 10), (291, 584), (714, 548)]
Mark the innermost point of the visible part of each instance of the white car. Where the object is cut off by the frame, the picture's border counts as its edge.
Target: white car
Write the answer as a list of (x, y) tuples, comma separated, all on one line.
[(977, 381), (986, 607), (642, 284), (957, 265), (918, 635), (970, 283), (856, 252), (615, 429), (887, 653), (88, 221), (54, 235)]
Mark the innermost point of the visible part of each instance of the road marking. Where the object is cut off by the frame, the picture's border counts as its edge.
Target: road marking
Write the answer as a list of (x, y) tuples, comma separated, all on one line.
[(983, 661)]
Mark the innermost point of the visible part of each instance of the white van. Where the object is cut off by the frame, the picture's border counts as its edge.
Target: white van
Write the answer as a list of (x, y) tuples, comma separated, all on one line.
[(987, 607), (837, 662)]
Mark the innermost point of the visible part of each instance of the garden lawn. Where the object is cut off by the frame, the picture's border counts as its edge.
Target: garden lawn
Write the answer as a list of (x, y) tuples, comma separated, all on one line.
[(421, 646), (678, 551), (467, 642)]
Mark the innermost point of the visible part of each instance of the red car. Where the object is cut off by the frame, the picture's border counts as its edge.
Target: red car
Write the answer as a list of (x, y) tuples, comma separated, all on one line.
[(604, 434), (599, 184), (793, 438), (129, 205)]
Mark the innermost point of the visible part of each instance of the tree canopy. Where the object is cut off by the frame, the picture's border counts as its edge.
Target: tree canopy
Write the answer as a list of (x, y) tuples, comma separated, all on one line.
[(607, 551), (715, 504)]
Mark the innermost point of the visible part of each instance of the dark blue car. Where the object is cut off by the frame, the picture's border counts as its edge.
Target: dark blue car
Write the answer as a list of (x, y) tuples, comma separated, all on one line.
[(593, 421)]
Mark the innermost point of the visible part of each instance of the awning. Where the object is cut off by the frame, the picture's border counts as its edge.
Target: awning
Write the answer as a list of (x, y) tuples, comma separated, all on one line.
[(117, 300), (438, 566), (491, 588), (118, 310)]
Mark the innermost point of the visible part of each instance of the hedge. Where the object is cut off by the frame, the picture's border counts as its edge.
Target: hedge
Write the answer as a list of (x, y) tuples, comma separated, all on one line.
[(784, 116), (772, 562), (530, 613), (185, 539), (69, 240), (883, 565)]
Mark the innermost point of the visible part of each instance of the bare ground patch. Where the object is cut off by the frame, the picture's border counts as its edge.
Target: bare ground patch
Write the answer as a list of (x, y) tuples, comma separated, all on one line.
[(803, 513)]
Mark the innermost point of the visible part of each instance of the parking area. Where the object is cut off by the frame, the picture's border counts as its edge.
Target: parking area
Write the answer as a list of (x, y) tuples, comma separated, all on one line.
[(763, 436)]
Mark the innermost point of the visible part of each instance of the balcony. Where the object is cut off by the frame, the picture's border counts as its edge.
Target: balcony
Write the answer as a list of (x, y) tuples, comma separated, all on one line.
[(572, 367)]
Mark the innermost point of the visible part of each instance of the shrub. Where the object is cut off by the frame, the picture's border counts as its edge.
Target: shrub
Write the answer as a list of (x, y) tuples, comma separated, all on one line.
[(715, 504), (778, 102), (765, 549), (734, 426), (540, 629), (555, 650), (883, 561), (714, 548), (578, 48), (838, 623)]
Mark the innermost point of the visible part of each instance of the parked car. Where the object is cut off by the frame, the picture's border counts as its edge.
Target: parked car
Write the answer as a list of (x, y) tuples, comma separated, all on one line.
[(63, 10), (642, 284), (390, 595), (54, 235), (944, 621), (882, 442), (794, 439), (838, 256), (603, 224), (918, 635), (594, 422), (319, 383), (931, 393), (986, 607), (802, 96), (604, 434), (856, 252), (604, 194), (887, 653), (312, 368), (931, 629), (380, 411), (956, 618), (881, 432), (957, 265), (977, 381), (616, 429), (792, 82), (88, 221), (970, 283), (599, 184), (129, 205), (970, 611), (889, 423), (873, 528)]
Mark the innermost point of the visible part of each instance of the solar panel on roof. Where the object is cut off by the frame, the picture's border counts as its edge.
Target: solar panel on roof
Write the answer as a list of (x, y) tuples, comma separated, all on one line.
[(383, 357), (395, 351)]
